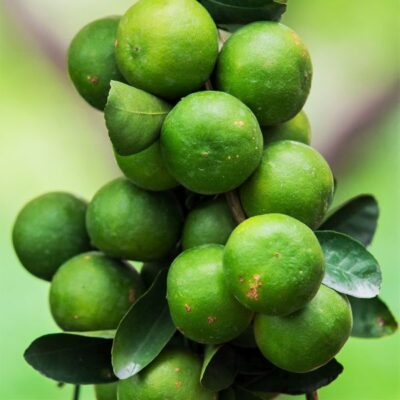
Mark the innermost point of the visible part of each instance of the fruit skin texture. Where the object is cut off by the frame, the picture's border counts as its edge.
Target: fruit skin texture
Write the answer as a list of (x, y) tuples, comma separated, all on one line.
[(211, 142), (297, 129), (168, 48), (106, 391), (173, 375), (91, 61), (48, 231), (266, 65), (210, 222), (200, 303), (273, 264), (309, 338), (127, 222), (292, 179), (147, 169), (92, 292)]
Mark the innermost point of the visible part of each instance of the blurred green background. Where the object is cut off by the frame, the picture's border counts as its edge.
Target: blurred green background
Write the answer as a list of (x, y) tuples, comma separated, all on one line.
[(51, 140)]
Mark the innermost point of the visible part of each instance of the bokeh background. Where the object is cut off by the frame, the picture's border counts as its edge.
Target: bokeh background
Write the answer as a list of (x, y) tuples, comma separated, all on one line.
[(51, 140)]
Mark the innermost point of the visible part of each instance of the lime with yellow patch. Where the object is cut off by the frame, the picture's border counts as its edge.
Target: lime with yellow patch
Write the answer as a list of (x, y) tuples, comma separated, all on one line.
[(92, 292), (167, 48), (292, 179), (273, 264), (211, 142), (267, 66), (173, 375), (308, 338), (200, 302)]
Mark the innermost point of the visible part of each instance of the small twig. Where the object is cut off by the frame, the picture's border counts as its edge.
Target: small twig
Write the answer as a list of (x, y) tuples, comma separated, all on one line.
[(77, 390), (208, 85), (312, 396), (235, 206)]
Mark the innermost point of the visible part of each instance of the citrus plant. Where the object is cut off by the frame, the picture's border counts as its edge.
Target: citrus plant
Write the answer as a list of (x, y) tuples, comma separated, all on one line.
[(214, 269)]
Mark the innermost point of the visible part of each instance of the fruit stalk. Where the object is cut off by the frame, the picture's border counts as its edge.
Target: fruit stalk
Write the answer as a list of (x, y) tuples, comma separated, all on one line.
[(312, 396), (235, 206), (77, 390)]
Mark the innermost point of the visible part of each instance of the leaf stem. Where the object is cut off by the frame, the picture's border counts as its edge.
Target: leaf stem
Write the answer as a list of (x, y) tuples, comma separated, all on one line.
[(312, 396), (235, 206), (77, 390)]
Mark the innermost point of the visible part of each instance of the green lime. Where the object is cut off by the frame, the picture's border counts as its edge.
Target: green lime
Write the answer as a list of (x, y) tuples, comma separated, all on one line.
[(107, 391), (310, 337), (91, 60), (92, 292), (173, 375), (48, 231), (199, 300), (209, 222), (167, 48), (292, 179), (297, 129), (273, 264), (211, 142), (147, 169), (266, 65), (127, 222)]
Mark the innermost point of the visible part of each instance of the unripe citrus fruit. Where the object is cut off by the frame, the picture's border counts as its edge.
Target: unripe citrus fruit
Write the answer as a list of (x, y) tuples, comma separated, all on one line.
[(173, 375), (211, 142), (91, 61), (292, 179), (107, 391), (310, 337), (200, 302), (273, 264), (266, 65), (167, 48), (48, 231), (92, 292), (210, 222), (297, 129), (127, 222), (147, 169)]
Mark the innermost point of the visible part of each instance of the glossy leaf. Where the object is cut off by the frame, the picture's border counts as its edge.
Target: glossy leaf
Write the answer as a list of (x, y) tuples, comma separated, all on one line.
[(144, 331), (227, 394), (349, 267), (286, 382), (244, 11), (357, 218), (243, 394), (72, 358), (133, 118), (219, 369), (252, 362), (372, 318)]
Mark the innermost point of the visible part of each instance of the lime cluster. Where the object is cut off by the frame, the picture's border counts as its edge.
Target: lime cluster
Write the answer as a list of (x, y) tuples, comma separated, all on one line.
[(199, 128)]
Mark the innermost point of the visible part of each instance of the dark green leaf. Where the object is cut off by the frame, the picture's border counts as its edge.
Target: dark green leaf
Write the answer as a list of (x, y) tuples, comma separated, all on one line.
[(371, 318), (282, 381), (228, 394), (252, 362), (350, 268), (133, 118), (144, 331), (72, 358), (219, 369), (244, 394), (244, 11), (357, 218)]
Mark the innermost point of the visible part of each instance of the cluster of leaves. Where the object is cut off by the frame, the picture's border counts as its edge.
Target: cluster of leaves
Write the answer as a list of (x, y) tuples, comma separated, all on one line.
[(239, 372)]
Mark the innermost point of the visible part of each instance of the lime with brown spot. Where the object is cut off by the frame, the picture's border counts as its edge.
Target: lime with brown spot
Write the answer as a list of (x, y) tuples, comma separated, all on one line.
[(91, 61), (267, 66), (167, 48), (173, 375), (273, 264), (209, 222), (48, 231), (292, 179), (309, 338), (92, 292), (211, 142), (200, 302)]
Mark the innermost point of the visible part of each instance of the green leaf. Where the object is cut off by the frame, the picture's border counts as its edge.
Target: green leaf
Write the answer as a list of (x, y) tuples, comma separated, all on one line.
[(357, 218), (228, 394), (133, 118), (109, 334), (72, 358), (286, 382), (219, 369), (243, 394), (349, 267), (244, 11), (144, 331), (372, 318), (252, 362)]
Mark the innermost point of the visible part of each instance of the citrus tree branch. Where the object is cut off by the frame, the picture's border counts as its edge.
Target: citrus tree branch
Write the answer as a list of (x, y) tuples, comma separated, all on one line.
[(236, 207), (312, 396), (77, 390)]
